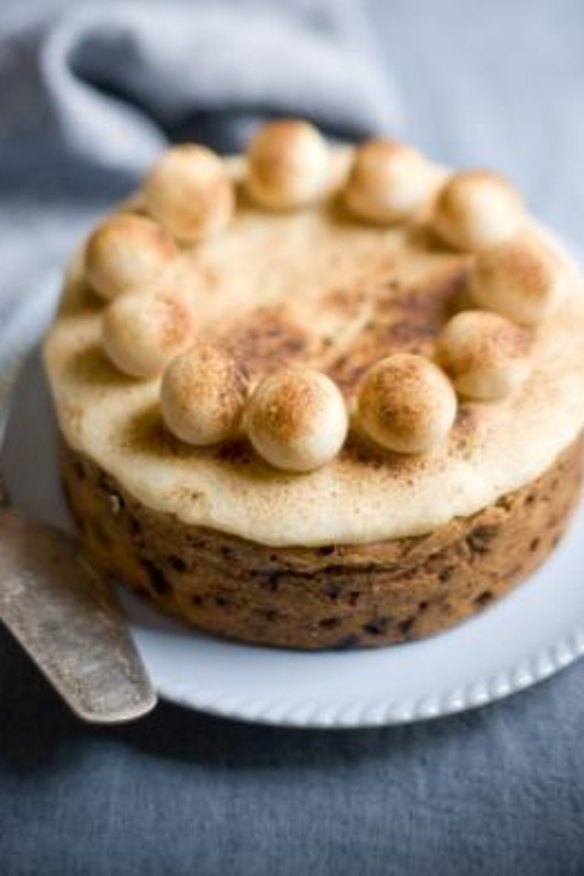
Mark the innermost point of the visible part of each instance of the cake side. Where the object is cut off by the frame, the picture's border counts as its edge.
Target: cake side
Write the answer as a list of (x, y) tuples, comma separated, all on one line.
[(330, 596), (316, 397)]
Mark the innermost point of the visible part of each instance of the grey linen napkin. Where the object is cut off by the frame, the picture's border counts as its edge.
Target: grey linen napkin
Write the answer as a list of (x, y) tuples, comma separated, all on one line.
[(89, 98)]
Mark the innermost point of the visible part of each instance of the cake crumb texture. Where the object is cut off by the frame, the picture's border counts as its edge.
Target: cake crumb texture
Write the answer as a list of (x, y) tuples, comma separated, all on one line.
[(344, 596)]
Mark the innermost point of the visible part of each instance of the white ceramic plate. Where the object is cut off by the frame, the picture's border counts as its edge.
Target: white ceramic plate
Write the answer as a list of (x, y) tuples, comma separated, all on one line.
[(529, 635)]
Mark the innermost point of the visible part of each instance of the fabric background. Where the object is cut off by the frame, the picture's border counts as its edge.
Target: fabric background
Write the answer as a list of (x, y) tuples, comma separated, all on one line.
[(496, 791)]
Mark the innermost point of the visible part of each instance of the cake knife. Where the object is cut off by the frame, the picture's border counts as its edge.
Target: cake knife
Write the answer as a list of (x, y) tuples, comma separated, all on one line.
[(66, 616)]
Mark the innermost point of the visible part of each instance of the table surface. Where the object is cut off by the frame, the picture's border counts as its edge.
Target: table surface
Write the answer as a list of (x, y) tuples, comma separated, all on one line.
[(494, 791)]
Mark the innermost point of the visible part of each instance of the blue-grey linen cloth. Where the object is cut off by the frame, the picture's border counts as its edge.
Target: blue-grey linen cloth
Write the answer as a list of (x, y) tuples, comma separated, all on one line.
[(87, 99)]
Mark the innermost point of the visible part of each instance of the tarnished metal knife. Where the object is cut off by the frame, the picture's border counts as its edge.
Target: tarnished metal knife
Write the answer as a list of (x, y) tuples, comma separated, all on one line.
[(67, 618)]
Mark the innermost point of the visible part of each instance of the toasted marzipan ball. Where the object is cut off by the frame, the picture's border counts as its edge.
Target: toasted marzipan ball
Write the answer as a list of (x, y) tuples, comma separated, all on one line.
[(477, 209), (406, 404), (485, 354), (288, 165), (519, 278), (388, 182), (297, 419), (190, 192), (142, 333), (203, 395), (126, 252)]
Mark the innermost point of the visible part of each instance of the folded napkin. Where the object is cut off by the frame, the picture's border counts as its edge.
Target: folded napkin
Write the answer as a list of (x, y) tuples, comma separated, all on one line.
[(107, 85), (89, 97)]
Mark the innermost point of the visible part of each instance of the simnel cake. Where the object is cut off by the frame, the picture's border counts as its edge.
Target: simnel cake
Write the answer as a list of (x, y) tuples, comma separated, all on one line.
[(316, 395)]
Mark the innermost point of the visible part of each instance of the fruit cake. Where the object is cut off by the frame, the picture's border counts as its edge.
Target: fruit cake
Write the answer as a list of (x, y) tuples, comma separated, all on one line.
[(319, 395)]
